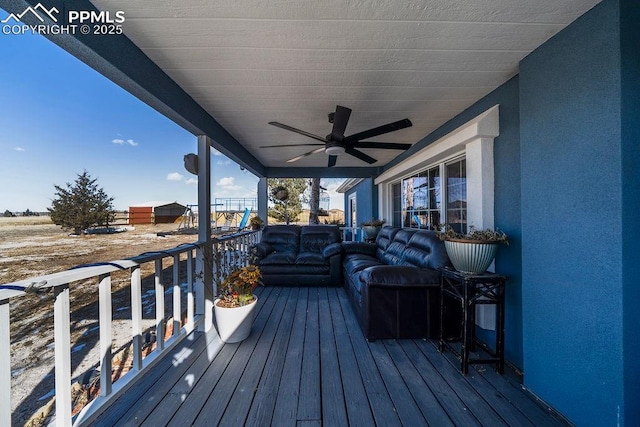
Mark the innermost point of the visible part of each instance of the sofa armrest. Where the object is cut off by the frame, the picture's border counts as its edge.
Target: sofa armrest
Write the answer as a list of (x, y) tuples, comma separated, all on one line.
[(399, 276), (331, 250), (261, 250), (359, 248)]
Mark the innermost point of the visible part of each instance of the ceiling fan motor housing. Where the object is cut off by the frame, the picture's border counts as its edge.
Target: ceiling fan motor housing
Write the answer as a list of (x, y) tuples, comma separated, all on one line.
[(334, 148)]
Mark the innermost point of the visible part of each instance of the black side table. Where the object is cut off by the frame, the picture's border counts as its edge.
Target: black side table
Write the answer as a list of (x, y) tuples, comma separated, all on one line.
[(471, 290)]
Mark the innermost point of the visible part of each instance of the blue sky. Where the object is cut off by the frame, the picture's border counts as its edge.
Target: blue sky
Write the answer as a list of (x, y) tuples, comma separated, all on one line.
[(59, 117)]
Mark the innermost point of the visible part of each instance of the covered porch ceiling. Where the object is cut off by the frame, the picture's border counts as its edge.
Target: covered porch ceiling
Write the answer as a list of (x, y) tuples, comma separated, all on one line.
[(227, 68)]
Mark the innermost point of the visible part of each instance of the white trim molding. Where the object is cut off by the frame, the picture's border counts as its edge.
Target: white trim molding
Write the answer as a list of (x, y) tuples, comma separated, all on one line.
[(474, 139)]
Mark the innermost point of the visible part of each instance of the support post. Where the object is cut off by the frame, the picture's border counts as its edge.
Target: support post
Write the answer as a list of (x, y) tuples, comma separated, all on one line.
[(263, 199), (205, 291)]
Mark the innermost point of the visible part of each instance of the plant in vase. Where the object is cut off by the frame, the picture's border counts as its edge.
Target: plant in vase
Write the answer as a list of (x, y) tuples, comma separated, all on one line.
[(371, 228), (256, 223), (235, 307), (472, 252)]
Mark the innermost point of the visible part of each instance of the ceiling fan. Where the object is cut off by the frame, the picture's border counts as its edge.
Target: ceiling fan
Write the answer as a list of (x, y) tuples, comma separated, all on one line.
[(336, 143)]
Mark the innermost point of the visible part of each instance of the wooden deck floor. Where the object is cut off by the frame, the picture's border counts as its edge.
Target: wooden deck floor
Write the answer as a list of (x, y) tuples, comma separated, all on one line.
[(307, 363)]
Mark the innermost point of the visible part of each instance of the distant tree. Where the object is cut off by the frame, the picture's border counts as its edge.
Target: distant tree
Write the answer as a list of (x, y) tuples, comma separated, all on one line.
[(286, 209), (29, 213), (8, 214), (81, 205)]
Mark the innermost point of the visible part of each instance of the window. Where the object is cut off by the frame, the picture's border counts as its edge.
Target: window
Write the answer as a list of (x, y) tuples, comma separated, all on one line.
[(422, 194), (457, 196), (463, 192)]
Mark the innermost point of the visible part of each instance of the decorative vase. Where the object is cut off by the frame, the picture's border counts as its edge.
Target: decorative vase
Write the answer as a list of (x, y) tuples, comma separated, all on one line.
[(471, 257), (371, 231), (234, 323)]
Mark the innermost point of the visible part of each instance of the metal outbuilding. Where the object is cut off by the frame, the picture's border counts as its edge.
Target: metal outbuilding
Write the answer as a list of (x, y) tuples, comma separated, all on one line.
[(155, 213)]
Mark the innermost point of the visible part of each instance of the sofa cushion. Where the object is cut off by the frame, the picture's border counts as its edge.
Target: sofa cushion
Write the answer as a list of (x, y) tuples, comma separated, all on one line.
[(332, 249), (399, 275), (385, 236), (279, 258), (393, 255), (359, 248), (425, 250), (282, 238), (314, 238), (311, 258), (355, 263)]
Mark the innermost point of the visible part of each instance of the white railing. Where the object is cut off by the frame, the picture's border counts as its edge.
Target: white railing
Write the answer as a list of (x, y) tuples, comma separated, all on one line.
[(226, 253), (352, 234)]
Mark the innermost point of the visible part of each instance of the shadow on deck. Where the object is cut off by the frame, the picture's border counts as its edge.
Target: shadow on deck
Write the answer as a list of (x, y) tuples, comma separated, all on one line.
[(307, 363)]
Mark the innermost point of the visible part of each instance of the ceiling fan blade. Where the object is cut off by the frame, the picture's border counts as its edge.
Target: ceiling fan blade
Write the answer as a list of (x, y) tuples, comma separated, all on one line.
[(359, 154), (332, 161), (301, 132), (291, 145), (380, 130), (295, 159), (383, 145), (340, 120)]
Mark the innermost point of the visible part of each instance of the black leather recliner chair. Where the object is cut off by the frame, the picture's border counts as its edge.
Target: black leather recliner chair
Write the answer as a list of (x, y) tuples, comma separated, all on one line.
[(292, 255), (394, 283)]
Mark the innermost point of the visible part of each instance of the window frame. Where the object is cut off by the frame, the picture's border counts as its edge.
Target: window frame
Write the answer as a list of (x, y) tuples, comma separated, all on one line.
[(442, 174), (474, 140)]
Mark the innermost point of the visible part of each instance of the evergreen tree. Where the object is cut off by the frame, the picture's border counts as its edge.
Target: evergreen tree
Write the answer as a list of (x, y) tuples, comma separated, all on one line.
[(81, 205), (286, 209), (8, 214)]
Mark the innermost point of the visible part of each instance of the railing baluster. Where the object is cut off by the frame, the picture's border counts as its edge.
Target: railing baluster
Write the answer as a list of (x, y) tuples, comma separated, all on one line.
[(190, 300), (62, 337), (177, 294), (106, 318), (159, 288), (5, 364), (217, 266), (136, 316)]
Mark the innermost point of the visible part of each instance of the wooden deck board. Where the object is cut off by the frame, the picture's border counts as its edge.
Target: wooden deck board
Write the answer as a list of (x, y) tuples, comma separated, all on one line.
[(358, 409), (306, 363), (309, 407), (424, 398), (334, 412), (233, 378), (264, 400), (384, 413), (286, 408)]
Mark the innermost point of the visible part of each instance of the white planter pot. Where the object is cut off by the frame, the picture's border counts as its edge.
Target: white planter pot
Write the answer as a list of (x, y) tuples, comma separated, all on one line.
[(234, 324), (473, 258), (370, 231)]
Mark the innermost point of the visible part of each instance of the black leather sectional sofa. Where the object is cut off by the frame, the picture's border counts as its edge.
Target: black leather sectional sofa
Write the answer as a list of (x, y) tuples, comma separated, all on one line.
[(292, 255), (393, 284)]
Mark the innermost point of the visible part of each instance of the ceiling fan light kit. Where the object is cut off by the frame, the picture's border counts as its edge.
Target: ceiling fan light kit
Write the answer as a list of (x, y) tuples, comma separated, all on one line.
[(334, 150), (336, 143)]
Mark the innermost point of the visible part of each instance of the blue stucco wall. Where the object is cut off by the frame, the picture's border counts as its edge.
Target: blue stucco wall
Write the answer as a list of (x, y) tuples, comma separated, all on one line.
[(507, 198), (366, 201), (570, 118), (630, 55)]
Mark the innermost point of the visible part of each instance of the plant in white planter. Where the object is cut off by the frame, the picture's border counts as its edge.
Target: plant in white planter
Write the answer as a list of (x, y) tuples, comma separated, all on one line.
[(235, 308), (472, 252), (371, 228)]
